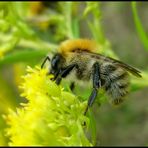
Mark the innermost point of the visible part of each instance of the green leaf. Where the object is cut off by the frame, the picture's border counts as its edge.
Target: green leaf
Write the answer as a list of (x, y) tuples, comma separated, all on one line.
[(142, 34), (22, 56)]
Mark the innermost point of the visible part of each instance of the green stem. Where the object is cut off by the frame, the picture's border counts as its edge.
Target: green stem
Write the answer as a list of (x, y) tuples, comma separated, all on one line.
[(142, 34), (35, 44), (39, 44), (68, 19)]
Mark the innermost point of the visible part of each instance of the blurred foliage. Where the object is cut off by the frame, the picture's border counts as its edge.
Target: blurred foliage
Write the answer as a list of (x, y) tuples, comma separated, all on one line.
[(30, 30)]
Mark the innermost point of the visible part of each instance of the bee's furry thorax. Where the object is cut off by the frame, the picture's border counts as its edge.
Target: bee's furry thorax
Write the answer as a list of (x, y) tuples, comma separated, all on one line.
[(77, 45)]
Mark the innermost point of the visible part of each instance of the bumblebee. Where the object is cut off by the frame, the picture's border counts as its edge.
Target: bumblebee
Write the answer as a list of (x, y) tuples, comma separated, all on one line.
[(78, 57)]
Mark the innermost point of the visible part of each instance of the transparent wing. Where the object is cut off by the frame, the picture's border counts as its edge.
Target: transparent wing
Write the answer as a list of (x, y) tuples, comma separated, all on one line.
[(127, 67)]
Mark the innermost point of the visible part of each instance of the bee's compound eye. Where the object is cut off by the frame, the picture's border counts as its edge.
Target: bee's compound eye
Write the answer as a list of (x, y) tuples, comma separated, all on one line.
[(55, 61)]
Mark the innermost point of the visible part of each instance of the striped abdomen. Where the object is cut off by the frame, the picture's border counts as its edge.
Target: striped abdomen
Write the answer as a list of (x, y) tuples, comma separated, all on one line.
[(116, 82)]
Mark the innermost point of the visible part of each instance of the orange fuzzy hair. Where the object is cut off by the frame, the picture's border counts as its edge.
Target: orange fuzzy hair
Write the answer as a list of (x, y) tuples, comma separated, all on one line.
[(75, 44)]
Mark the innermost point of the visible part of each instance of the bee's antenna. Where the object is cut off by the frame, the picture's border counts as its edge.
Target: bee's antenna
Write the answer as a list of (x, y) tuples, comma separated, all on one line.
[(47, 58)]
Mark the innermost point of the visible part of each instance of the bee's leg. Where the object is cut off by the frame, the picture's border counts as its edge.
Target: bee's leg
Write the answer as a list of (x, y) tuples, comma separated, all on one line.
[(72, 86), (47, 58), (96, 85), (64, 72)]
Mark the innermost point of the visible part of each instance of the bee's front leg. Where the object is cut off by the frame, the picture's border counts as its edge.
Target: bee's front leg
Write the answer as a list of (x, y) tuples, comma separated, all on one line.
[(96, 85), (64, 72)]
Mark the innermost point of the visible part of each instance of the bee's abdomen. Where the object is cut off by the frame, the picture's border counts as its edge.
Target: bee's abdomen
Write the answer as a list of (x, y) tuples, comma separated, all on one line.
[(116, 83)]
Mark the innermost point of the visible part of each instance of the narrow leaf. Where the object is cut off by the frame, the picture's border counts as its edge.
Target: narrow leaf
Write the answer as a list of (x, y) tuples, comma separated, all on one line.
[(22, 56), (139, 27)]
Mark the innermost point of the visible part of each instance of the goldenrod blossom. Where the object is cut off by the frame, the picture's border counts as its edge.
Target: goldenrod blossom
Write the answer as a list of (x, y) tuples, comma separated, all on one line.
[(52, 116)]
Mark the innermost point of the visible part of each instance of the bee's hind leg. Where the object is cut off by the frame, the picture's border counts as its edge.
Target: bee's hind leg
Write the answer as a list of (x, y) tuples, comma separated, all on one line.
[(96, 86)]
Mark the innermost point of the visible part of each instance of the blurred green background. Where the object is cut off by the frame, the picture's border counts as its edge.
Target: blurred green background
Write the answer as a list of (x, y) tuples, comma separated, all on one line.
[(30, 30)]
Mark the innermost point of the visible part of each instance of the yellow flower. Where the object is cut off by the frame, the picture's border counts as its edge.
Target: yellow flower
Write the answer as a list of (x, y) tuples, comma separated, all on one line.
[(51, 117)]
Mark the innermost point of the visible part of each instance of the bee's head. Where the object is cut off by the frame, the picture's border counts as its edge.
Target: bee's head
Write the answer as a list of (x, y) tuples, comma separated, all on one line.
[(56, 63)]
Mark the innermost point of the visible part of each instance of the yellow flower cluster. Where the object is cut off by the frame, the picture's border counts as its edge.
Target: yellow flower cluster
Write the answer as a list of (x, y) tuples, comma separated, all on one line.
[(51, 117)]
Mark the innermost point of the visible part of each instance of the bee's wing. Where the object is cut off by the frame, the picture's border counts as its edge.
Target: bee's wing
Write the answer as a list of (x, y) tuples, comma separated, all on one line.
[(129, 68)]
